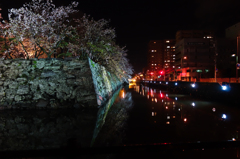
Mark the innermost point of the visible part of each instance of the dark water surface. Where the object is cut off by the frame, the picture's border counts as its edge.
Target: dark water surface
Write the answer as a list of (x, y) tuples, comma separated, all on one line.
[(156, 116), (135, 115)]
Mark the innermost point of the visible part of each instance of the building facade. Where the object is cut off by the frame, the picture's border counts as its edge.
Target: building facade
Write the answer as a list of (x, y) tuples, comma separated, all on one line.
[(169, 58), (194, 59), (155, 56)]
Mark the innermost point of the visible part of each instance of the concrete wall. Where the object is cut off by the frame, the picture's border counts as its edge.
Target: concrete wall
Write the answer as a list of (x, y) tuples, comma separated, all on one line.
[(54, 83)]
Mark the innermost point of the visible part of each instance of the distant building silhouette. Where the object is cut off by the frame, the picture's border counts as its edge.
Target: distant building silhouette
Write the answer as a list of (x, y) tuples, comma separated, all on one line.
[(160, 58), (195, 54)]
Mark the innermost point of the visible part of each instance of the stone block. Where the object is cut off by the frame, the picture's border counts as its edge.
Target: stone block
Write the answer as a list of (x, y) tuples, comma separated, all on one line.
[(21, 79), (40, 64), (7, 61), (48, 74), (70, 76), (17, 98), (71, 81), (52, 68), (23, 89), (13, 85)]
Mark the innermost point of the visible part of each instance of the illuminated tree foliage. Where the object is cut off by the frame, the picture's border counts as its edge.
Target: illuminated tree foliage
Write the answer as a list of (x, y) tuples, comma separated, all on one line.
[(40, 28)]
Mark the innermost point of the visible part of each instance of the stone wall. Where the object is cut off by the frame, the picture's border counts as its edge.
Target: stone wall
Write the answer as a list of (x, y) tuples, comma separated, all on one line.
[(105, 83), (54, 83)]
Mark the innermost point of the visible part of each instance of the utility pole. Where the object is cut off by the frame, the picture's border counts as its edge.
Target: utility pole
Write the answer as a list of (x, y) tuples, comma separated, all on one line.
[(215, 59), (237, 62)]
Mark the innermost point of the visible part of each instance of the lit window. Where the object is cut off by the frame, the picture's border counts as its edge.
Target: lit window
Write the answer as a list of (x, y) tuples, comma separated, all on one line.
[(185, 57), (173, 55), (168, 60), (174, 58), (154, 50), (166, 64), (154, 42), (173, 67), (165, 61), (155, 64), (167, 41), (152, 56), (152, 64), (173, 47), (168, 46)]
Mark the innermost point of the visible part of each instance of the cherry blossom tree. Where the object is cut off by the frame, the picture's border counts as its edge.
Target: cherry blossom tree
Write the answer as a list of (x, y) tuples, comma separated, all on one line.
[(97, 41), (43, 25), (40, 28)]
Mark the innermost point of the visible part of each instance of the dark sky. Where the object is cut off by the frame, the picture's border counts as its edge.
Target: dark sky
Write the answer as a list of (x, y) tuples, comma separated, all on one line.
[(137, 22)]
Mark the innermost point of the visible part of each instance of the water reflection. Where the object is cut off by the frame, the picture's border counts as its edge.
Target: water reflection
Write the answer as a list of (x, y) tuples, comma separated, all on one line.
[(112, 120), (46, 129), (54, 129), (189, 119)]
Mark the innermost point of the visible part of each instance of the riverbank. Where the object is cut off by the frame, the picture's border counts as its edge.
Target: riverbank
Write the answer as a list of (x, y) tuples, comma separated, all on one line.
[(202, 90)]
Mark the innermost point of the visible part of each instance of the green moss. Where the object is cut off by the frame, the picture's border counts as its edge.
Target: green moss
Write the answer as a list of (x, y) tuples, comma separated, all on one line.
[(93, 65)]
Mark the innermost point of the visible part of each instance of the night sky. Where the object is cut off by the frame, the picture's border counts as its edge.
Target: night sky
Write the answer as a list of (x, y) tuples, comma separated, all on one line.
[(138, 22)]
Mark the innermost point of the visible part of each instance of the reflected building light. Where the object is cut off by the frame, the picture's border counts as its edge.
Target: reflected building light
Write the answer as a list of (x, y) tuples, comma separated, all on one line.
[(185, 119), (166, 82), (152, 99), (152, 107), (155, 121), (166, 95), (155, 113), (233, 139), (213, 109), (123, 95), (160, 91), (174, 117), (162, 100), (165, 103), (168, 117), (193, 85), (174, 106), (175, 98), (156, 100), (179, 109), (193, 104), (166, 107), (168, 103), (148, 96), (173, 102), (161, 95), (176, 84), (140, 92), (168, 122), (154, 90), (152, 113), (224, 116)]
